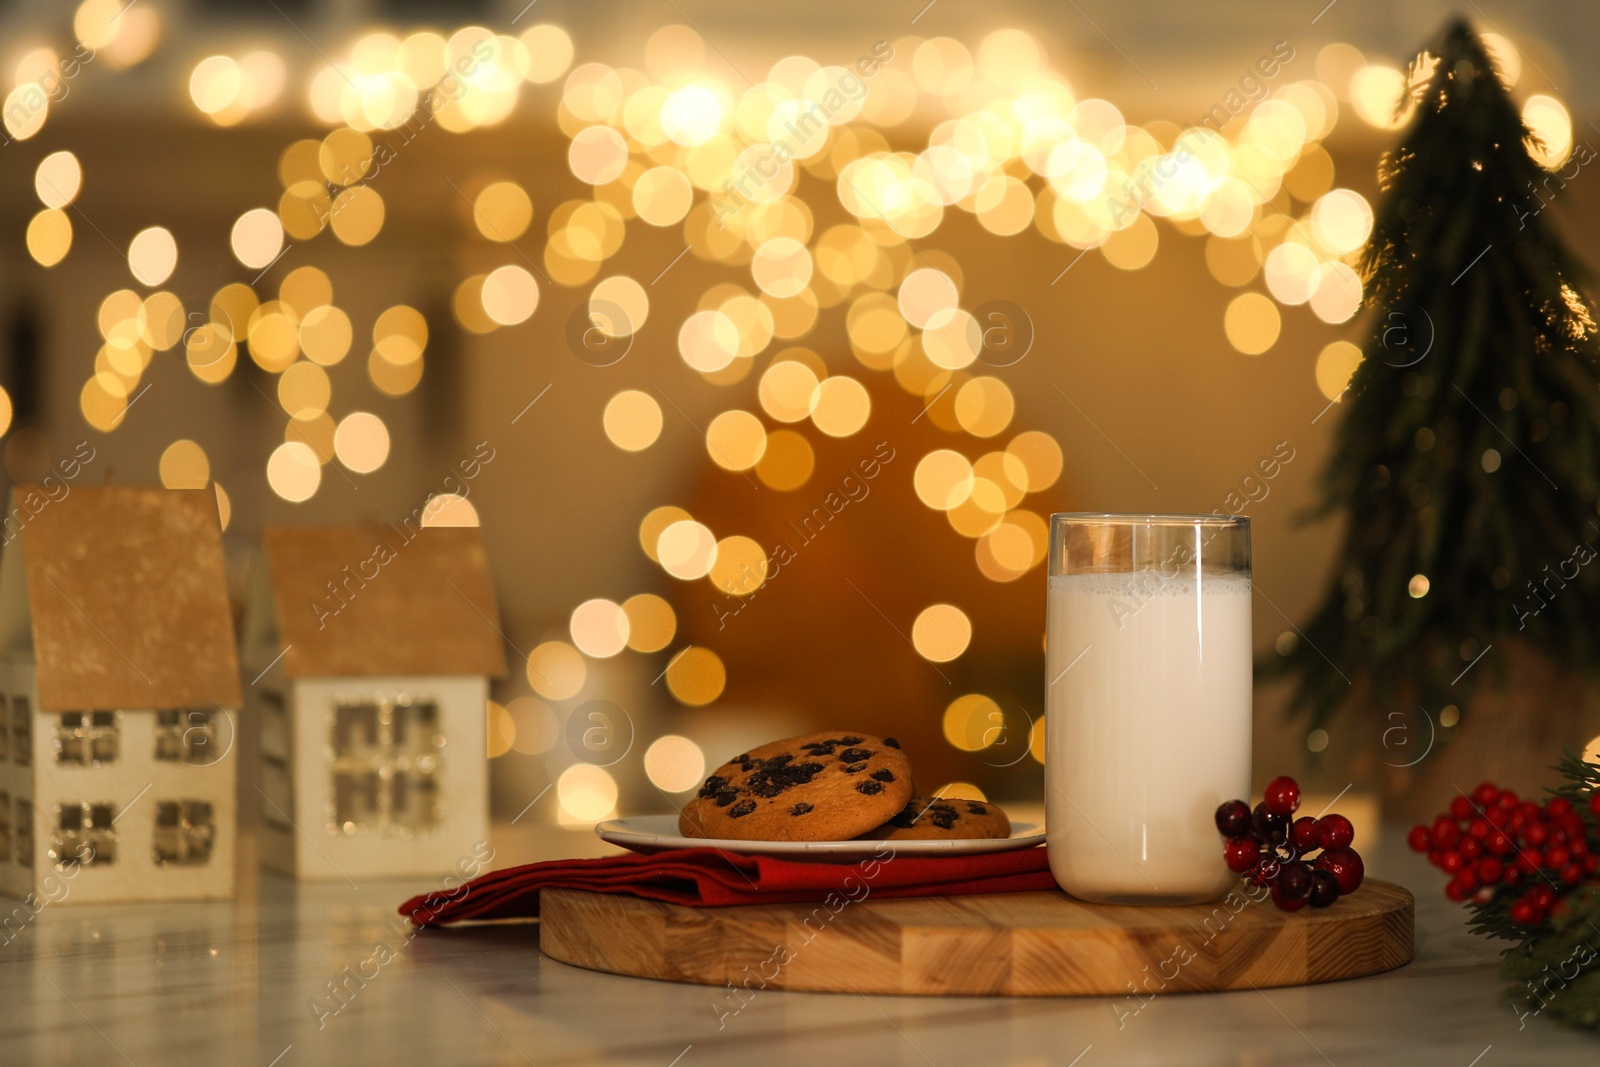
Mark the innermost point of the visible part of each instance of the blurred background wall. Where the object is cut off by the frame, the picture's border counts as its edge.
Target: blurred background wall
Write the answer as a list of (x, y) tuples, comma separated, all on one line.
[(1159, 392)]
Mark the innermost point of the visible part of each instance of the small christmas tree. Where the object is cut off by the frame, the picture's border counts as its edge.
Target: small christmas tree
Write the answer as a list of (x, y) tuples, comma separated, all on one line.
[(1467, 463)]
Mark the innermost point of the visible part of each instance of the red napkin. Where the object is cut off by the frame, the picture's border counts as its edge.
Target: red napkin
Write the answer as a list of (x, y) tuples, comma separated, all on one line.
[(709, 877)]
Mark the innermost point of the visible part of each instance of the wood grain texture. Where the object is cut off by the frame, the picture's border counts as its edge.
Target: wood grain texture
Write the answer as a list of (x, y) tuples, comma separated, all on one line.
[(1008, 944)]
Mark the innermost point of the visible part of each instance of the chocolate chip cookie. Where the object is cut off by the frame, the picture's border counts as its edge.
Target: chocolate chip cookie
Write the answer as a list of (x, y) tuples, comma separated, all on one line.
[(938, 818), (820, 787)]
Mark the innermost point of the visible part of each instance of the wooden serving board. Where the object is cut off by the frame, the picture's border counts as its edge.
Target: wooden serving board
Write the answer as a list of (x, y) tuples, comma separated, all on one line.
[(1004, 944)]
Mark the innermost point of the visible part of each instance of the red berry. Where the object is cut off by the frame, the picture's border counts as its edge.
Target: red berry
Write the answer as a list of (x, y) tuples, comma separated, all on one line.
[(1557, 857), (1304, 834), (1282, 795), (1452, 862), (1294, 881), (1594, 802), (1270, 826), (1591, 863), (1579, 848), (1536, 833), (1419, 839), (1346, 866), (1490, 870), (1466, 879), (1335, 831), (1497, 816), (1324, 889), (1522, 913), (1508, 800), (1233, 818), (1470, 848), (1287, 903), (1529, 860), (1445, 833), (1572, 874), (1513, 876), (1266, 872), (1241, 854), (1485, 794), (1455, 892), (1559, 806), (1479, 828), (1543, 896), (1498, 843), (1461, 807)]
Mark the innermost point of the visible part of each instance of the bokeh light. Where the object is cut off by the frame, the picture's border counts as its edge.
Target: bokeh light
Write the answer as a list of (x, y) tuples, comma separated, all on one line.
[(599, 628), (632, 420), (152, 255), (651, 622), (361, 442), (941, 632), (675, 764), (696, 676), (556, 670), (1252, 323), (587, 793)]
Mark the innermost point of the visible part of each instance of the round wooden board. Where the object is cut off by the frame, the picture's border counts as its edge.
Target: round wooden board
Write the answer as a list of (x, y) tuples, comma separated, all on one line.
[(1005, 944)]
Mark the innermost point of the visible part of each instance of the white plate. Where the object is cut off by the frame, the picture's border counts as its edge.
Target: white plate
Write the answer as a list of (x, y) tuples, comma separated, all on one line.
[(658, 833)]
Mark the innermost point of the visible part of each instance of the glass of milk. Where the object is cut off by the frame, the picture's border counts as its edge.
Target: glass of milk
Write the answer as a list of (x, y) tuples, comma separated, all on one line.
[(1148, 674)]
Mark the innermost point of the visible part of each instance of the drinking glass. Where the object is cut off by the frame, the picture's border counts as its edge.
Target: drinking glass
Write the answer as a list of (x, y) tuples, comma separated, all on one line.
[(1148, 686)]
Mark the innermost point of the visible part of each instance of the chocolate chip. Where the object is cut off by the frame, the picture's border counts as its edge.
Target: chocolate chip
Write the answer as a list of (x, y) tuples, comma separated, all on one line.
[(885, 775), (891, 742), (713, 784), (741, 809), (825, 747), (976, 808), (779, 774), (906, 817), (726, 797), (943, 815), (855, 768), (855, 755), (800, 809), (869, 787), (743, 757)]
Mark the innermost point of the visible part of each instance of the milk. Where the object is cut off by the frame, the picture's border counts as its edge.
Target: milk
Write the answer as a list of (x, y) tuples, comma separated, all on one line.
[(1148, 697)]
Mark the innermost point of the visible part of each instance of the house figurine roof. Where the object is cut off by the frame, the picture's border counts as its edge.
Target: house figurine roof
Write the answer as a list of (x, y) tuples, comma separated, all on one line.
[(120, 592), (361, 601)]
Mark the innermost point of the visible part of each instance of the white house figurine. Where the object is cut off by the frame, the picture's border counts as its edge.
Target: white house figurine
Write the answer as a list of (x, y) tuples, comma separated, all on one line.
[(119, 696), (374, 649)]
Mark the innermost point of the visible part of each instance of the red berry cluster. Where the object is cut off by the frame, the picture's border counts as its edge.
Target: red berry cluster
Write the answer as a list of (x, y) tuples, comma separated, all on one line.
[(1268, 845), (1493, 838)]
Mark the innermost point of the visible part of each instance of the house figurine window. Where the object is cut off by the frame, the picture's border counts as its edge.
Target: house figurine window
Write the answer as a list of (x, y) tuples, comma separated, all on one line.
[(84, 833), (385, 768), (21, 731), (88, 738), (189, 735), (185, 830), (24, 832)]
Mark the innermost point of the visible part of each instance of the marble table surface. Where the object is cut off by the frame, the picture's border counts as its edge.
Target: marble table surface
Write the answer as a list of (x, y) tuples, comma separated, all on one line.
[(247, 982)]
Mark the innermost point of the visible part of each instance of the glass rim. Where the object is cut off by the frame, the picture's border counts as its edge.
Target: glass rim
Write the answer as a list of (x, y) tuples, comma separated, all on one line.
[(1113, 518)]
